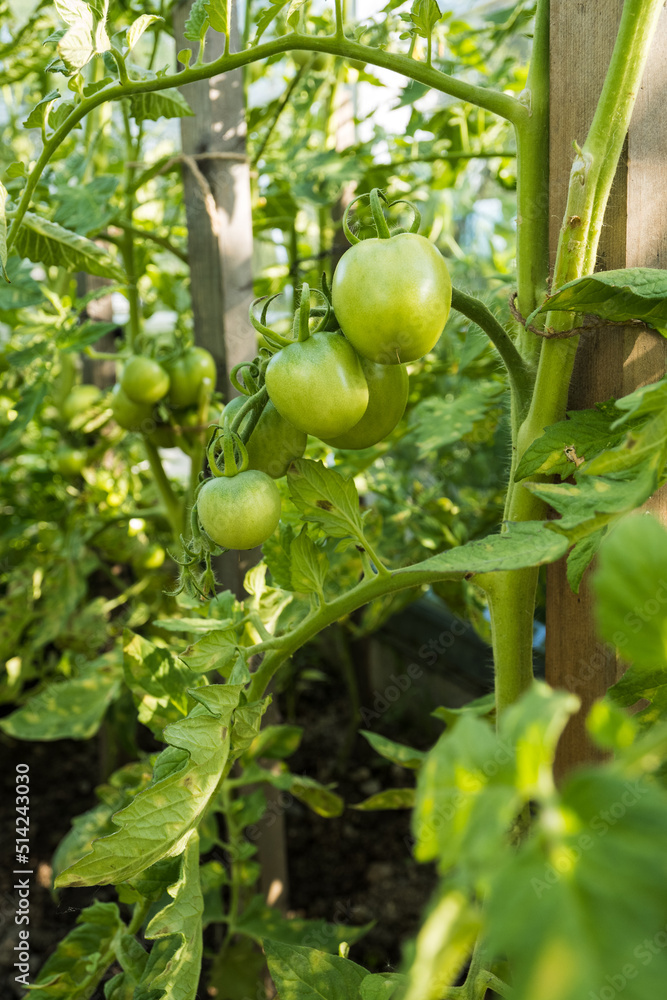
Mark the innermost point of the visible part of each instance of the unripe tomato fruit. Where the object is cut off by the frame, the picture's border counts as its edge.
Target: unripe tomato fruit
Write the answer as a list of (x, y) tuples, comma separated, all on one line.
[(144, 380), (387, 396), (392, 297), (187, 373), (318, 385), (148, 557), (79, 401), (129, 415), (274, 444), (70, 462), (239, 512)]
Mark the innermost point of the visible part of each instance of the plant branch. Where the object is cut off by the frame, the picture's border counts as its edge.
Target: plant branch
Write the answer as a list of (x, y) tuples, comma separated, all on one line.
[(491, 100), (519, 375), (143, 234)]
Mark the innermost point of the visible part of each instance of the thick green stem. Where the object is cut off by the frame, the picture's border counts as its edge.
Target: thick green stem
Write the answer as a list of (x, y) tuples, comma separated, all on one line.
[(532, 138), (511, 598)]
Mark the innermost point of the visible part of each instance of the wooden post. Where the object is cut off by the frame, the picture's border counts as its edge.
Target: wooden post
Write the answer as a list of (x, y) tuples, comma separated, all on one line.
[(216, 181), (220, 219), (611, 362)]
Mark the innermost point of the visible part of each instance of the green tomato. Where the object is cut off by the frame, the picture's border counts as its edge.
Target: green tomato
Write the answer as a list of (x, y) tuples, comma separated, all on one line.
[(387, 397), (70, 462), (187, 374), (392, 297), (274, 443), (239, 512), (144, 380), (318, 385), (129, 415), (79, 401)]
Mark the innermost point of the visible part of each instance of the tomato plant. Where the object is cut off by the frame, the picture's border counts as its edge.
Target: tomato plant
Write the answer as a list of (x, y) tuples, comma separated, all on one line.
[(444, 470)]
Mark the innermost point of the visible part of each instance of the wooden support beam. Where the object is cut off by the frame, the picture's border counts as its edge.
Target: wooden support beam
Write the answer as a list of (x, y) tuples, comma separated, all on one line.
[(611, 362)]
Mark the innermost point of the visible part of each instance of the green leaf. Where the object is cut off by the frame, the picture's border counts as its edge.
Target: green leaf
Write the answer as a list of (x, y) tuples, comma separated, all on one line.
[(157, 680), (565, 445), (45, 242), (647, 445), (474, 780), (424, 15), (247, 722), (197, 23), (579, 558), (381, 986), (39, 114), (310, 565), (186, 776), (397, 753), (174, 964), (214, 651), (443, 944), (644, 401), (266, 16), (77, 337), (77, 47), (262, 922), (86, 208), (138, 27), (619, 296), (121, 788), (237, 970), (69, 709), (219, 12), (275, 742), (590, 499), (321, 800), (326, 498), (307, 974), (588, 892), (390, 798), (527, 543), (16, 169), (277, 555), (631, 593), (153, 105), (73, 11), (80, 956), (439, 423)]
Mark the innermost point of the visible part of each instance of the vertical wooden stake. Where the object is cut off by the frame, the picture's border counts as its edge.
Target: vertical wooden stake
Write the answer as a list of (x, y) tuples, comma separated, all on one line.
[(611, 362)]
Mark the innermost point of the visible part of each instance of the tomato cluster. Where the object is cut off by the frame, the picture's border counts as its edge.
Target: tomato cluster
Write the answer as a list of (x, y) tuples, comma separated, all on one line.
[(349, 387)]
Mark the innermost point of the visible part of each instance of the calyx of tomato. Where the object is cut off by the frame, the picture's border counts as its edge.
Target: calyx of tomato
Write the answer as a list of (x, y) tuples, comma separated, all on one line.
[(301, 325), (376, 198)]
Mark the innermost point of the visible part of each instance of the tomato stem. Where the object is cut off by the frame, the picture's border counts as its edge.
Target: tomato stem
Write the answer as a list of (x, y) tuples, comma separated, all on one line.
[(378, 214)]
